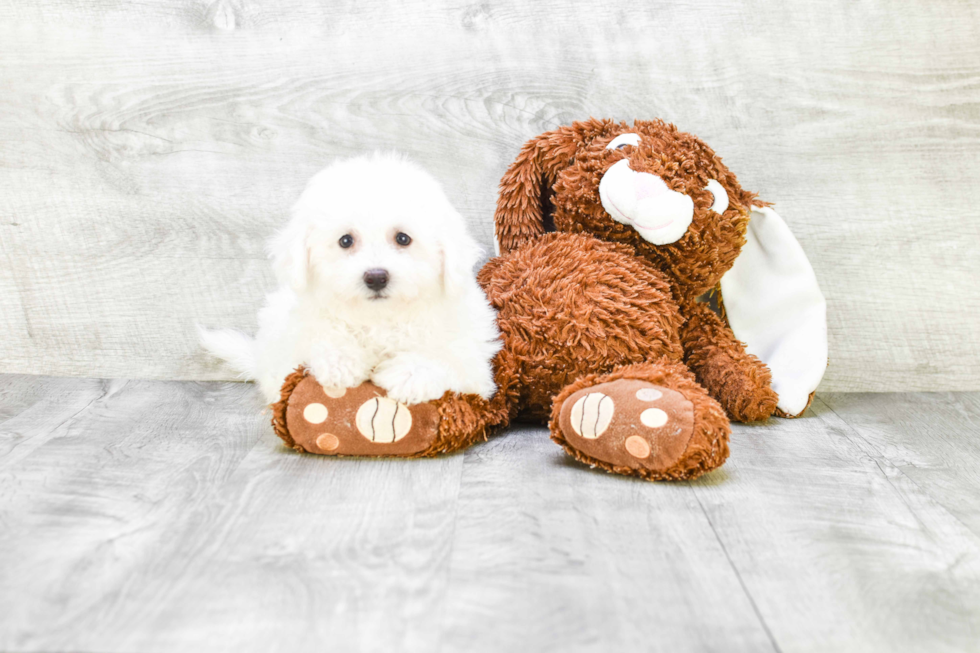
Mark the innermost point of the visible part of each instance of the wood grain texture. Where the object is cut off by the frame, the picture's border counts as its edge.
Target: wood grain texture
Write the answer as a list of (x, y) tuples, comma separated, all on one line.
[(105, 497), (928, 452), (165, 516), (148, 150), (554, 556)]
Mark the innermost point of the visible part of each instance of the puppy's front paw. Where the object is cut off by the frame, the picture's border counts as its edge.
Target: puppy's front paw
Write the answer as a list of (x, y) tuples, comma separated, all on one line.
[(411, 379), (333, 369)]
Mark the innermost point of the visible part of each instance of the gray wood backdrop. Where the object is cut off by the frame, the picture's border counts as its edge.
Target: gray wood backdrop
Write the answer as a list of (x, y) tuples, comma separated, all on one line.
[(148, 149)]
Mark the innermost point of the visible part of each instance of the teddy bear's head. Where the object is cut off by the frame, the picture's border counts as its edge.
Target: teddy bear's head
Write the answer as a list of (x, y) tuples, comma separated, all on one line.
[(660, 190)]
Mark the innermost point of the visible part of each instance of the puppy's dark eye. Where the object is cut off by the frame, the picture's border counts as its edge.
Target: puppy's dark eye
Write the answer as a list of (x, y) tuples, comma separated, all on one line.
[(622, 146), (346, 241), (403, 239)]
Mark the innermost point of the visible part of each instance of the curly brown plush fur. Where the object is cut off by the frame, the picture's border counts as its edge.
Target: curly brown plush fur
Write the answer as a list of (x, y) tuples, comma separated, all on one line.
[(571, 161), (279, 408), (569, 305), (596, 304), (594, 301)]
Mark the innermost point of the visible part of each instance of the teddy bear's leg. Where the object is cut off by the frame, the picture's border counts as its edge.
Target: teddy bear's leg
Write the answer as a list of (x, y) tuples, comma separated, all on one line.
[(737, 379), (362, 421), (651, 420)]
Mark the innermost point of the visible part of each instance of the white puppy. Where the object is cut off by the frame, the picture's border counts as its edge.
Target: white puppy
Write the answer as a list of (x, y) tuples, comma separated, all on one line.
[(376, 274)]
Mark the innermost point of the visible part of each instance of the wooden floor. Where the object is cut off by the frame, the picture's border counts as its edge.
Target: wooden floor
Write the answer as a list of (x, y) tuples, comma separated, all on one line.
[(166, 516)]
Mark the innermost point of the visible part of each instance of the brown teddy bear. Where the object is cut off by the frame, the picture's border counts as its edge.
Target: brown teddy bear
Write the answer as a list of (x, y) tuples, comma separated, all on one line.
[(632, 268)]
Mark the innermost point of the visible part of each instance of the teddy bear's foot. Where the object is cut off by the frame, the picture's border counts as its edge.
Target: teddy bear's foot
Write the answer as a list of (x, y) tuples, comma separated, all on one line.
[(359, 421), (661, 427), (629, 423)]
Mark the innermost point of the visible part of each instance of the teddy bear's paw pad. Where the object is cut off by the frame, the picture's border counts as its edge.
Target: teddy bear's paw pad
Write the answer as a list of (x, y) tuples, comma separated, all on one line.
[(358, 421), (628, 423)]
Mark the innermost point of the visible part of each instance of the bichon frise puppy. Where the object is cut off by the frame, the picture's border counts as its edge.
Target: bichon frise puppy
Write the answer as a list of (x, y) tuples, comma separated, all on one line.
[(376, 282)]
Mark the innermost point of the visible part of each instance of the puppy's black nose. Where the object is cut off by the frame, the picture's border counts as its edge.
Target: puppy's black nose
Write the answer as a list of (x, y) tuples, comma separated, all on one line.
[(376, 279)]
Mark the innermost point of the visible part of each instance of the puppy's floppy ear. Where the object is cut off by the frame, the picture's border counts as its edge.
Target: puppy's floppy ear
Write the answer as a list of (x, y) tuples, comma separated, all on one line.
[(459, 252), (774, 306), (522, 205), (290, 253)]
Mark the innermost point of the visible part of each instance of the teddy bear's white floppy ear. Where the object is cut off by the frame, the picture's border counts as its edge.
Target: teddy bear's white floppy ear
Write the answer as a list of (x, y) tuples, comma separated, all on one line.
[(774, 306)]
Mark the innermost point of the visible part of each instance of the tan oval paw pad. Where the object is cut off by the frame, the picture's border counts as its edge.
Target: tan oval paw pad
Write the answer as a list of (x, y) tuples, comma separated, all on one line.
[(637, 446), (591, 414), (654, 418), (383, 420), (328, 442), (315, 413), (648, 394)]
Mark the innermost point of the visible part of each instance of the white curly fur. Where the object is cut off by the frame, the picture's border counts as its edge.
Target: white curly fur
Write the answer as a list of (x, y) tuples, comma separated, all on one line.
[(430, 330)]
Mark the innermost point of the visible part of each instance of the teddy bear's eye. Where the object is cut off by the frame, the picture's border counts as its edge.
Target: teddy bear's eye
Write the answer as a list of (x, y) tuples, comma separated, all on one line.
[(623, 140), (720, 205)]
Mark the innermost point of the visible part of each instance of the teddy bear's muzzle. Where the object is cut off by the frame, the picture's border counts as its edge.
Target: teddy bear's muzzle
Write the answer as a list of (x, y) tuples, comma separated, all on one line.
[(645, 202)]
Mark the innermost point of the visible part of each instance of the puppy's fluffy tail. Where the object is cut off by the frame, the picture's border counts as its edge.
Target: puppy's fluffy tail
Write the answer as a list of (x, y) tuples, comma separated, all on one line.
[(236, 348)]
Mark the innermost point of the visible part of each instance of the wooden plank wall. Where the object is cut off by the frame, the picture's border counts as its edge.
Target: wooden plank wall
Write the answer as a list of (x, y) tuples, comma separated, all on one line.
[(148, 150)]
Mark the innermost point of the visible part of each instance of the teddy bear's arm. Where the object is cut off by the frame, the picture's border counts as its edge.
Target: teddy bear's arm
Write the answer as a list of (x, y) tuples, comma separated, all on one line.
[(739, 381)]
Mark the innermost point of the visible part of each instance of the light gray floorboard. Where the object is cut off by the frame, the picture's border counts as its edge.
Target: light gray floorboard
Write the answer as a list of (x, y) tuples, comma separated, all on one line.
[(932, 439), (561, 556), (165, 516), (838, 550), (35, 409)]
